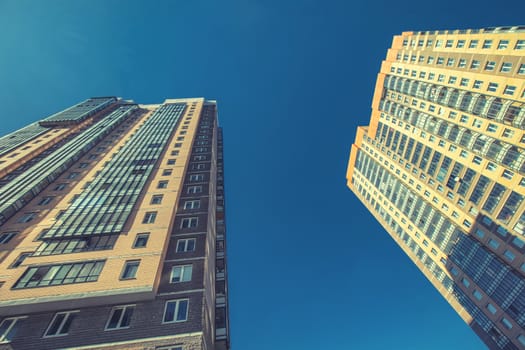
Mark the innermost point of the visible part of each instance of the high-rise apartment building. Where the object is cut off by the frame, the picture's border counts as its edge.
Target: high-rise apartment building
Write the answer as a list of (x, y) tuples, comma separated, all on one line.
[(112, 229), (442, 168)]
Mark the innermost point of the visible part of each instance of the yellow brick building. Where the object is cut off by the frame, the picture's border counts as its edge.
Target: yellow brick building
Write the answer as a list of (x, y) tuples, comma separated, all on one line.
[(442, 167)]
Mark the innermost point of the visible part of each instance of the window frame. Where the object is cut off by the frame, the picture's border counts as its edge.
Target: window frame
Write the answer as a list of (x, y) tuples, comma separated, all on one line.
[(176, 310), (182, 272), (61, 326), (124, 308), (129, 270)]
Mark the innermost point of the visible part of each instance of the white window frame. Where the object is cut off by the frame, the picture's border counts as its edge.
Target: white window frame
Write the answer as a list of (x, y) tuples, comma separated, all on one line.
[(193, 204), (195, 189), (183, 269), (115, 308), (136, 264), (175, 312), (147, 217), (190, 222), (197, 177), (10, 328), (61, 326), (185, 242)]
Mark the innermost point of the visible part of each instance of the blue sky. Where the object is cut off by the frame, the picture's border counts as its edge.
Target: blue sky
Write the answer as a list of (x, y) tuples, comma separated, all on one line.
[(309, 266)]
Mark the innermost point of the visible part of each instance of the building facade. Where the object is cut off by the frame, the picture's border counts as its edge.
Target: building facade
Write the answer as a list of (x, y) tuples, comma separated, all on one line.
[(442, 167), (112, 229)]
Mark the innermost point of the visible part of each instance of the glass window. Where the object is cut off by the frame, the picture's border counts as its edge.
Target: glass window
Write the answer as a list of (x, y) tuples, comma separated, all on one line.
[(181, 273), (503, 44), (491, 308), (186, 245), (141, 241), (492, 87), (130, 269), (506, 67), (120, 317), (487, 44), (189, 222), (520, 45), (5, 237), (149, 217), (156, 199), (8, 328), (60, 324), (473, 44), (176, 311), (509, 90)]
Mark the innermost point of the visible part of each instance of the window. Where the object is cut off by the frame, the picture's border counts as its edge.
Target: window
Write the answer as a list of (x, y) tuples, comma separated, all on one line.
[(451, 62), (490, 65), (195, 204), (130, 269), (473, 44), (167, 172), (149, 217), (83, 165), (72, 176), (156, 199), (60, 324), (174, 153), (141, 241), (197, 177), (178, 144), (449, 43), (509, 255), (176, 311), (186, 245), (20, 259), (492, 87), (475, 64), (181, 273), (460, 44), (509, 90), (430, 59), (440, 60), (521, 339), (26, 217), (487, 44), (46, 200), (494, 244), (464, 82), (491, 308), (6, 237), (462, 63), (8, 328), (521, 70), (506, 67), (503, 44), (477, 84), (49, 275), (194, 189), (171, 161), (189, 222), (452, 80), (162, 184), (120, 317)]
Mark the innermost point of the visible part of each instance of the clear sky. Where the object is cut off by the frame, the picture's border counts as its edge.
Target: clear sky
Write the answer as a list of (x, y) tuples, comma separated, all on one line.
[(309, 266)]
